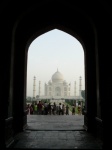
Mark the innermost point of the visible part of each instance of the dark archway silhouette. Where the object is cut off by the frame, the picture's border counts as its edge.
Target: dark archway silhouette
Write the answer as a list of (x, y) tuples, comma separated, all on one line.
[(90, 23)]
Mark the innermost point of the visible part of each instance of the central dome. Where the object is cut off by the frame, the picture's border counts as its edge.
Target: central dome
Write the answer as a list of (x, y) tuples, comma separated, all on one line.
[(57, 77)]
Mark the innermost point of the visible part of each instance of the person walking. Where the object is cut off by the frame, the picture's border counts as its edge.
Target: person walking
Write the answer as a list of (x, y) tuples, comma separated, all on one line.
[(67, 110), (39, 108), (35, 108), (31, 109), (60, 109), (73, 110), (79, 109), (49, 109), (63, 109), (54, 109), (45, 108)]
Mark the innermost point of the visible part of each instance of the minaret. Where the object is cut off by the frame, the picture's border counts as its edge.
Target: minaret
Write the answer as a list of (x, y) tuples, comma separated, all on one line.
[(75, 88), (39, 87), (34, 85), (69, 89), (80, 86), (45, 90)]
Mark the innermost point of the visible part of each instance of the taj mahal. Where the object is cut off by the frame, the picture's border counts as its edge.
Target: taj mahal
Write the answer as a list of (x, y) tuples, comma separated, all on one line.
[(57, 89)]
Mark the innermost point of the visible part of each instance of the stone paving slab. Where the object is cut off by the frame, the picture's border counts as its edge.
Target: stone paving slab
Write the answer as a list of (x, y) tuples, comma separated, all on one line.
[(56, 140), (55, 132), (55, 122)]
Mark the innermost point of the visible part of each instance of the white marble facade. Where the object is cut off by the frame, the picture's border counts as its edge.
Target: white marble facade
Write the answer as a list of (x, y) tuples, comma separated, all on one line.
[(57, 87)]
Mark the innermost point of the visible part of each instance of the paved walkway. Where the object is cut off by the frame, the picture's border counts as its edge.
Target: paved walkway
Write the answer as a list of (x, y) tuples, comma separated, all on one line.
[(55, 122), (56, 132)]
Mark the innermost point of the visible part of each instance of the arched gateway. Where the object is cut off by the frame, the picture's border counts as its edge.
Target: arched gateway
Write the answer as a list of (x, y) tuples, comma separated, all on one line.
[(89, 22)]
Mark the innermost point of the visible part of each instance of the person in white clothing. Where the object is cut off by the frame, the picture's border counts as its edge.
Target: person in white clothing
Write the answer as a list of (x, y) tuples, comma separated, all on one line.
[(60, 108)]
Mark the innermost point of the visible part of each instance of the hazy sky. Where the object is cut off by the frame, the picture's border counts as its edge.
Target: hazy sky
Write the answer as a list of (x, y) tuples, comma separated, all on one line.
[(52, 50)]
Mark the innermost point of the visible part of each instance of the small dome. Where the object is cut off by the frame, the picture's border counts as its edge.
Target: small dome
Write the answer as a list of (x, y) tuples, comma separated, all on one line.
[(57, 77)]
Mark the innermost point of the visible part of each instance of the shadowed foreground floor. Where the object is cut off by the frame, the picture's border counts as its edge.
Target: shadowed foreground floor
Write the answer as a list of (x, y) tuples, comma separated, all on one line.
[(56, 132)]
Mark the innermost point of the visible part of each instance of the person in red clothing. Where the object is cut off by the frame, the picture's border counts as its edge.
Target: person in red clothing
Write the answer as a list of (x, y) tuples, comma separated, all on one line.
[(31, 109)]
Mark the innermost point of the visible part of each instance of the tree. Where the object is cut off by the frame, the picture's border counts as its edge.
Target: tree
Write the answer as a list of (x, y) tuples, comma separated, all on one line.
[(83, 93)]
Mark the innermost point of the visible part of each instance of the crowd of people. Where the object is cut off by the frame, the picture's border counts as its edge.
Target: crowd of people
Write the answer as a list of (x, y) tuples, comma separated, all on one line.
[(44, 108)]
